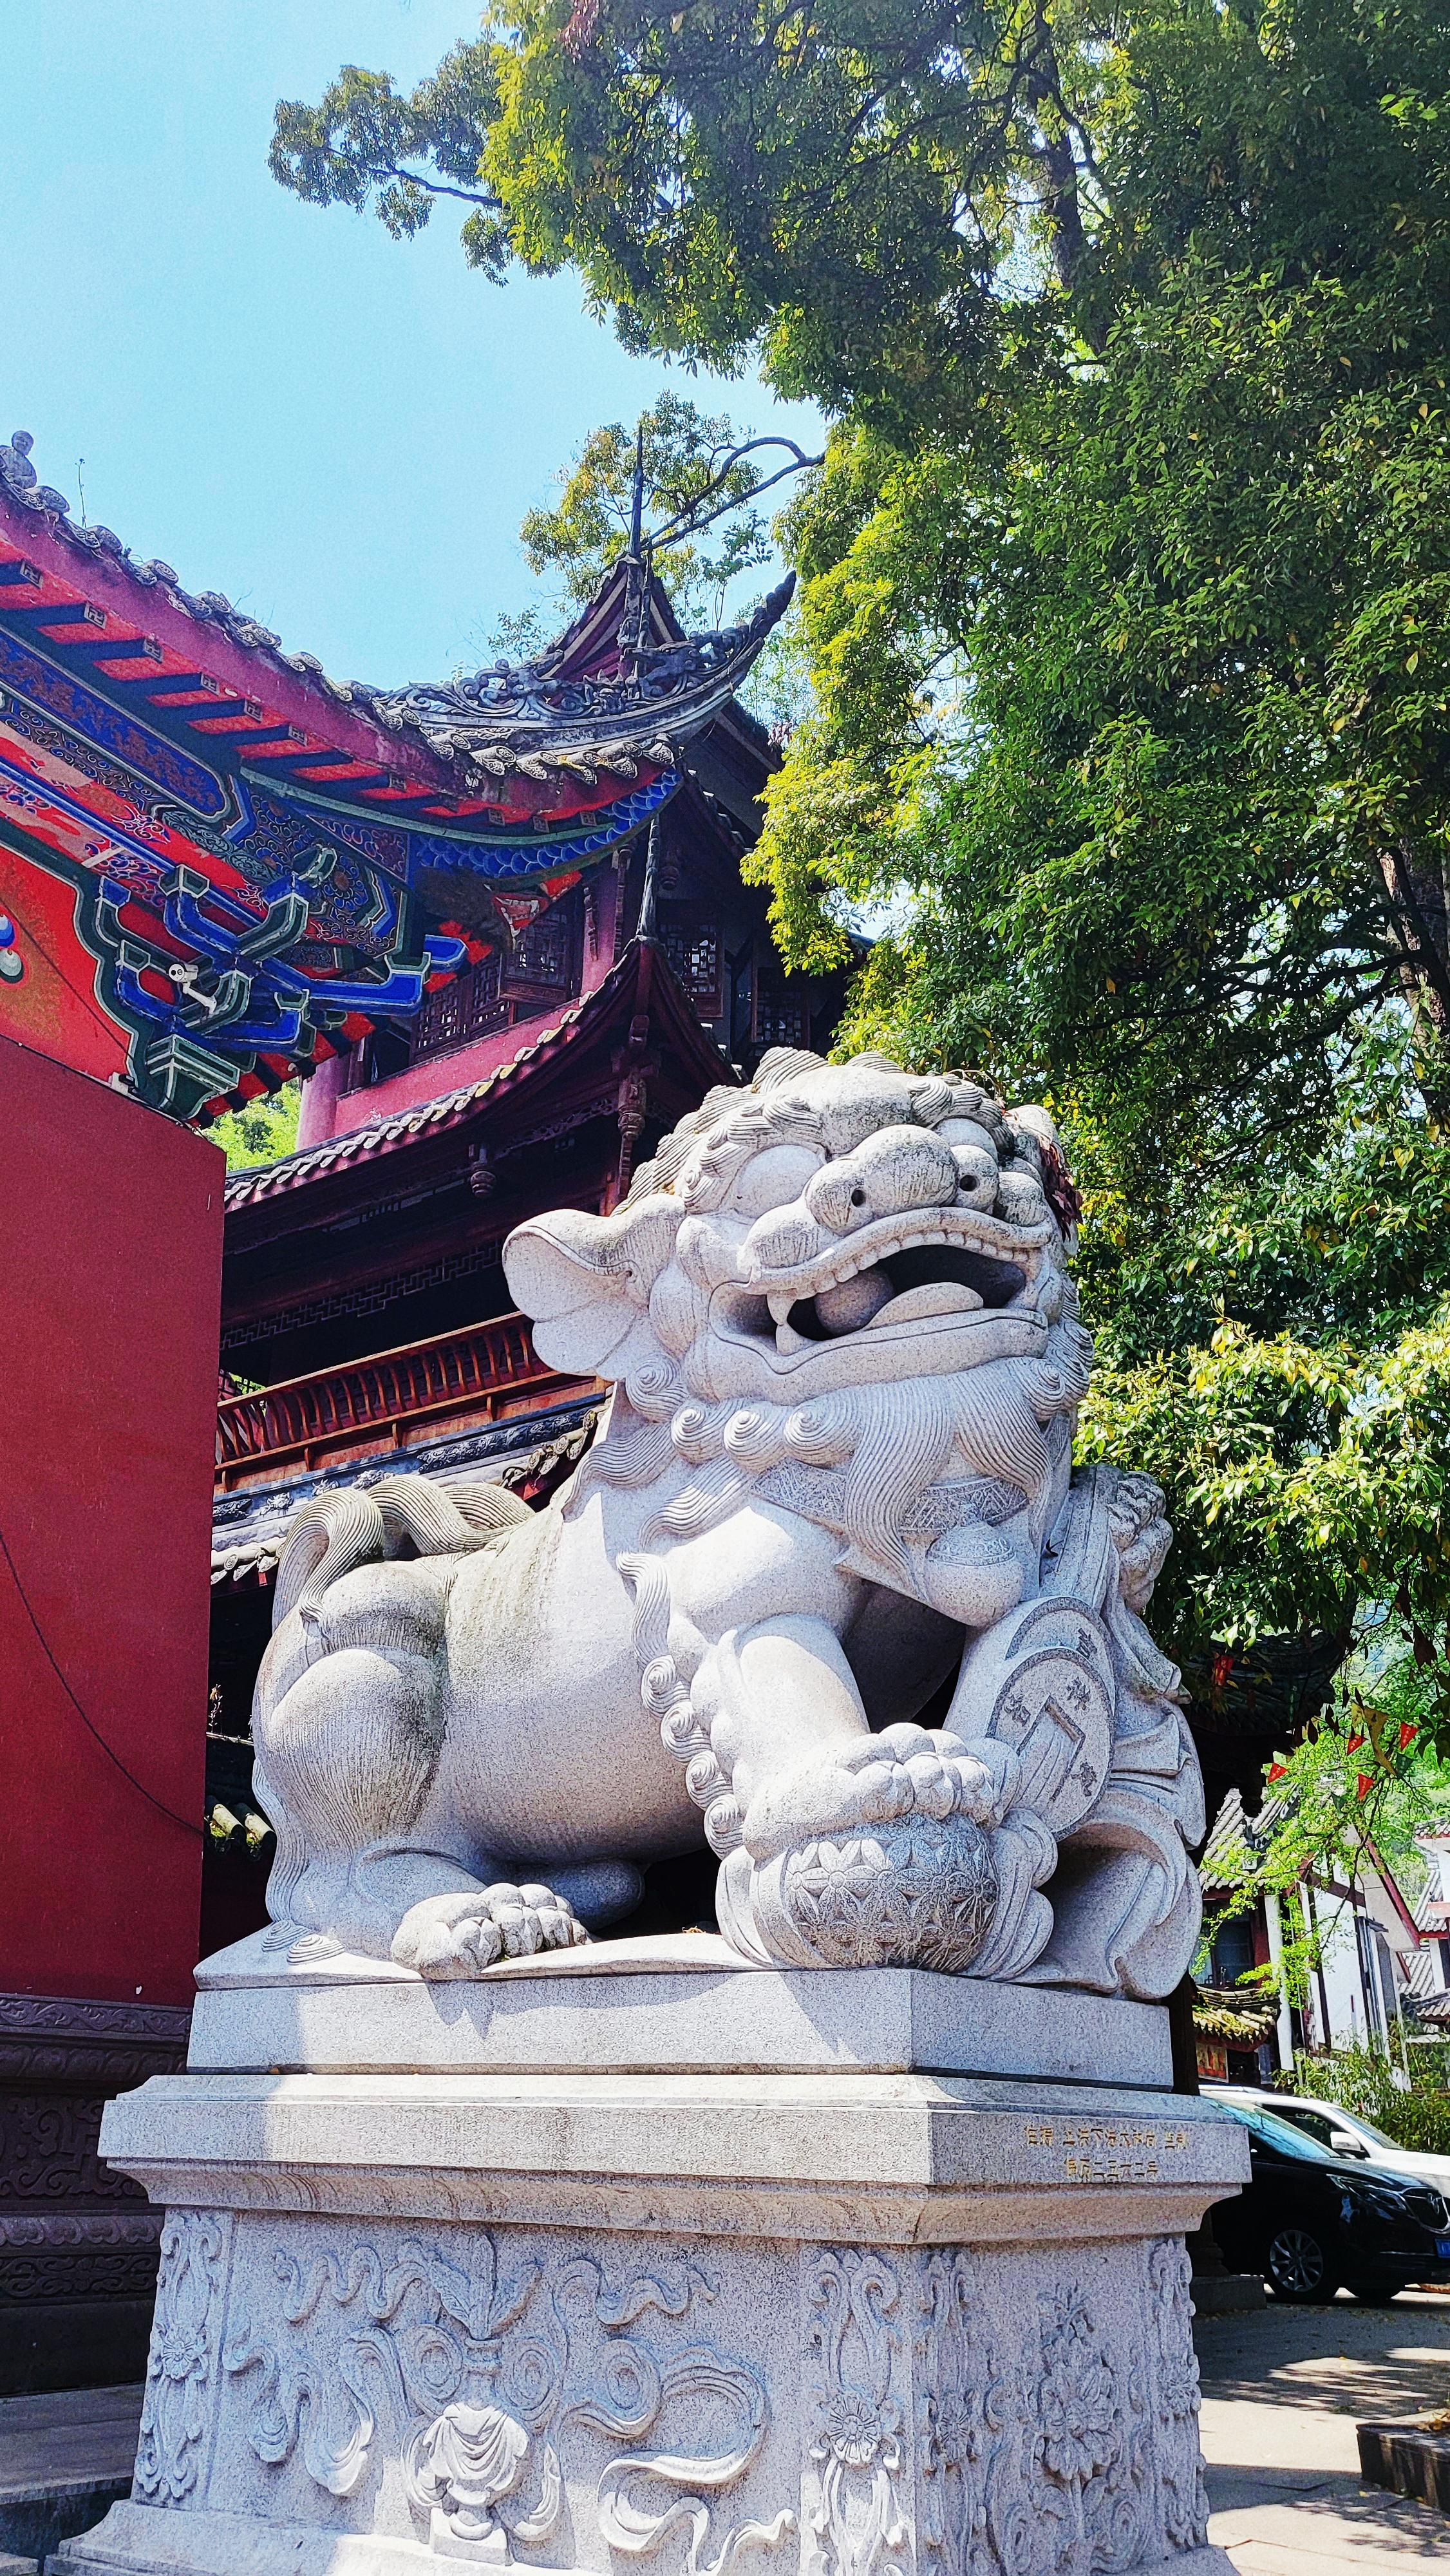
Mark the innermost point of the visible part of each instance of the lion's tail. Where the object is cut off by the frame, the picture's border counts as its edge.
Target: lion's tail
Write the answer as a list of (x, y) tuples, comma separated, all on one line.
[(335, 1532)]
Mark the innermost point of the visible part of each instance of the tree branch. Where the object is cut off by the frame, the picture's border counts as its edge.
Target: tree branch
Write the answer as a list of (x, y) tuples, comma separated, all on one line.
[(690, 517), (438, 187)]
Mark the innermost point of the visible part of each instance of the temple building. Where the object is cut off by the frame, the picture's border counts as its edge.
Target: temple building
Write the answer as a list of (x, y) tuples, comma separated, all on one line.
[(219, 867)]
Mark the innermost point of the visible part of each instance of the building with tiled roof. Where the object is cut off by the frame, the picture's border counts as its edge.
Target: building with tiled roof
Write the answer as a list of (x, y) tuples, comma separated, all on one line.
[(219, 866), (1380, 1969)]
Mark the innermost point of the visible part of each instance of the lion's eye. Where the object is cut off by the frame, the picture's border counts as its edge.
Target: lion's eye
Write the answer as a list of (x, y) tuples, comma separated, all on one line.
[(858, 1198)]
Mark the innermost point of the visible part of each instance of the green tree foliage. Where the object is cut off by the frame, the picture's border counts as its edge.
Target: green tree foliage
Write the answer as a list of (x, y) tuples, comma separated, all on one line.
[(262, 1132), (367, 146), (836, 181), (698, 475), (1126, 587), (1274, 1346), (1360, 2079)]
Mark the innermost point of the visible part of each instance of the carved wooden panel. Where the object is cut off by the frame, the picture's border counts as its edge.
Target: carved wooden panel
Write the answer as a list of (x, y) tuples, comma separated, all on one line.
[(467, 1008), (690, 937)]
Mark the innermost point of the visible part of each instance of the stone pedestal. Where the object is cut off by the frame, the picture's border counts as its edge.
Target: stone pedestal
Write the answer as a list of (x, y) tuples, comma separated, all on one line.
[(655, 2257)]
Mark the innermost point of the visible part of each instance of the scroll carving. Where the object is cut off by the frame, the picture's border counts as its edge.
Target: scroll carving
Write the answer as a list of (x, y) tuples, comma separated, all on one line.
[(1175, 2372), (180, 2370), (858, 2516), (478, 2373)]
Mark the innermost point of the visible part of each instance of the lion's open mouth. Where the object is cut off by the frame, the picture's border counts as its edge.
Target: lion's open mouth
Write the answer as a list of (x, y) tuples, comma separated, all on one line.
[(930, 1279), (939, 1268)]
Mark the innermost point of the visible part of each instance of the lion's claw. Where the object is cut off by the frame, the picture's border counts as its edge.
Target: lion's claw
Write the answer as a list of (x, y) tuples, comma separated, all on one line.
[(459, 1935), (882, 1780)]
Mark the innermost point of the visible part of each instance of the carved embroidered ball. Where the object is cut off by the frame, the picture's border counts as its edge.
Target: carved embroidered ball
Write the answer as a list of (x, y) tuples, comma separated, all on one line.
[(917, 1886), (833, 1485)]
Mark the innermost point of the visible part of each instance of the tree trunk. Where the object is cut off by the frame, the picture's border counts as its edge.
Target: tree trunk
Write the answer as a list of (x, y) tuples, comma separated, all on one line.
[(1419, 904)]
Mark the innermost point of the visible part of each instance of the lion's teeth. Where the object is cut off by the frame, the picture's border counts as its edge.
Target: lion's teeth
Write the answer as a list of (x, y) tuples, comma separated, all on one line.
[(787, 1340), (780, 1302)]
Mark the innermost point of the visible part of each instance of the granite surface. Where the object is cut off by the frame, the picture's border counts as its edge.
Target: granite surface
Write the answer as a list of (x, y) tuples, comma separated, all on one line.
[(845, 2318), (678, 2003)]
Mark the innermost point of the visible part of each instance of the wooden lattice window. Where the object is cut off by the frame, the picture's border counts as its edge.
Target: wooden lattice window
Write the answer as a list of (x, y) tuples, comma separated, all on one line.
[(467, 1008), (542, 952), (781, 1016), (690, 937)]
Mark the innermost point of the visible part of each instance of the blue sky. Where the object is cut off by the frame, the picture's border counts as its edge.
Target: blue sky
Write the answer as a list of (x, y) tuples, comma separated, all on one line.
[(340, 432)]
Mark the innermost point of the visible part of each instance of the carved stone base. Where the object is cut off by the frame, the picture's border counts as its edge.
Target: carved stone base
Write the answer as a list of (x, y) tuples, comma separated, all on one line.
[(846, 2323)]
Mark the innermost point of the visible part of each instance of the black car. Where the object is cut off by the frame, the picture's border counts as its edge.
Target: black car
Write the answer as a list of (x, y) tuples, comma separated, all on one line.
[(1309, 2220)]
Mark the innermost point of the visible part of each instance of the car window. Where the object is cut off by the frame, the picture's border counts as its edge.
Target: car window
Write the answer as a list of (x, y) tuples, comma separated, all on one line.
[(1313, 2123), (1280, 2134), (1319, 2123)]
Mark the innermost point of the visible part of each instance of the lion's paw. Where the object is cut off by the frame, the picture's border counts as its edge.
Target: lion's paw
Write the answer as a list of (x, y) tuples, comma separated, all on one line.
[(906, 1771), (460, 1935)]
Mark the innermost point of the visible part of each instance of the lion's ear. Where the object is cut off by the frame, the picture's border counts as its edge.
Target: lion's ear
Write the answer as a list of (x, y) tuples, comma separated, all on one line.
[(585, 1281)]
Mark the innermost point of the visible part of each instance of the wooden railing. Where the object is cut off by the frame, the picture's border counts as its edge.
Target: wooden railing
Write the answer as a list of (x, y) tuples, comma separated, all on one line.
[(481, 1370)]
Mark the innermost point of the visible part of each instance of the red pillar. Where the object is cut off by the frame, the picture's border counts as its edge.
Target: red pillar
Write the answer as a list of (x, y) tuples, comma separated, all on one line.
[(108, 1359)]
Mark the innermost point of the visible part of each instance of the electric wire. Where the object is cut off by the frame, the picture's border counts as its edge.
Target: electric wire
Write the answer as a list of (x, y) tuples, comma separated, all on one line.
[(152, 1800)]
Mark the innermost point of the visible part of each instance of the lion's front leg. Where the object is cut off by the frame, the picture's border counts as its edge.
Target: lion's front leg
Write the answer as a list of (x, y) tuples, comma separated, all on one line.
[(842, 1848), (349, 1723)]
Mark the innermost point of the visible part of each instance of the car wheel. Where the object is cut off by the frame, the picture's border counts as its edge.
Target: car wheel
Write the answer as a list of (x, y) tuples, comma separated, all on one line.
[(1297, 2266), (1374, 2294)]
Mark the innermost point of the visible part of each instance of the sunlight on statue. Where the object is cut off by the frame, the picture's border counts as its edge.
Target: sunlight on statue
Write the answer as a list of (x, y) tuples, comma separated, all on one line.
[(833, 1487)]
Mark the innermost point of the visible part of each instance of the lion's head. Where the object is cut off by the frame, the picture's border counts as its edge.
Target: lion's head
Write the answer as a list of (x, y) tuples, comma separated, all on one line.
[(847, 1267)]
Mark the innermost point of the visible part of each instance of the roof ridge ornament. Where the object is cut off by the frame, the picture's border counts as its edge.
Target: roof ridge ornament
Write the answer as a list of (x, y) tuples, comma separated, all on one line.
[(515, 710), (17, 472), (638, 565), (15, 463)]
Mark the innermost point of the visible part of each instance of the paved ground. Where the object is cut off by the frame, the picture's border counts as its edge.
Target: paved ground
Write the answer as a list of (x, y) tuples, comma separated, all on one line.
[(1283, 2389), (63, 2460)]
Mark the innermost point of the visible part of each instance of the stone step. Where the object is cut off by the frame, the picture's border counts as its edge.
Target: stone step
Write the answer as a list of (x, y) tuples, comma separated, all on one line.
[(65, 2458)]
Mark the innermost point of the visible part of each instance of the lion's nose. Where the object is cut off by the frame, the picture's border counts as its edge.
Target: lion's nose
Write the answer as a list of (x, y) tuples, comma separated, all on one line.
[(896, 1169)]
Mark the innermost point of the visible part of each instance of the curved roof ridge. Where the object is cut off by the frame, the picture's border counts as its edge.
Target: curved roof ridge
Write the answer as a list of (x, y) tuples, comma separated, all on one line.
[(550, 717)]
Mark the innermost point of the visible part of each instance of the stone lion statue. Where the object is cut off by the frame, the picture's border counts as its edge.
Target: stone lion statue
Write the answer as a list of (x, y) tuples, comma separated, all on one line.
[(833, 1486)]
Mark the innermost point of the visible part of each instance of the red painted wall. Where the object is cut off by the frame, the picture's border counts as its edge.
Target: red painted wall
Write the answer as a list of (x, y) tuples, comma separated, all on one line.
[(52, 1006), (108, 1358)]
